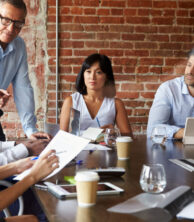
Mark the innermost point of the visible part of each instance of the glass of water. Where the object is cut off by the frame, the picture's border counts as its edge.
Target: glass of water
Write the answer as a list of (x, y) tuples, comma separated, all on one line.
[(159, 135), (110, 136), (153, 178)]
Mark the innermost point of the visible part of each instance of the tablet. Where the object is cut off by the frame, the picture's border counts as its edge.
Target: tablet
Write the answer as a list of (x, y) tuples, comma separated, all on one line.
[(188, 137), (103, 189)]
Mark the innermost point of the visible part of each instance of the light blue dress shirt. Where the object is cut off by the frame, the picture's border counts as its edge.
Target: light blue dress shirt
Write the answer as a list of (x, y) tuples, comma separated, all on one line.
[(171, 106), (14, 69)]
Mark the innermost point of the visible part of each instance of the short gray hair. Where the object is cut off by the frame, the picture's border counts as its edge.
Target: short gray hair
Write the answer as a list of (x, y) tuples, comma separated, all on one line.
[(20, 4)]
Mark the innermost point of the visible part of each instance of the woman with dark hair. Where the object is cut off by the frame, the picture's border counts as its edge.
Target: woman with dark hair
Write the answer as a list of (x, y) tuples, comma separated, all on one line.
[(95, 98)]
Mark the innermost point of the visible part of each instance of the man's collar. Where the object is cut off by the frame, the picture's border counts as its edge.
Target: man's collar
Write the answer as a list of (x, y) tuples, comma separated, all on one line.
[(10, 47)]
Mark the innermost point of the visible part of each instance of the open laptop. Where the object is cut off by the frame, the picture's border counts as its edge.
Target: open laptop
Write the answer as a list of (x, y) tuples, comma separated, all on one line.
[(188, 137)]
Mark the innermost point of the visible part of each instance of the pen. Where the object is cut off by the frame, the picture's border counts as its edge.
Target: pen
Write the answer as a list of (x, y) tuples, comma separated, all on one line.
[(98, 121), (36, 157)]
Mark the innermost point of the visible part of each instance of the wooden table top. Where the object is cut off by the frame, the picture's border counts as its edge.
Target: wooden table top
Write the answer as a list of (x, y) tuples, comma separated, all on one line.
[(142, 151)]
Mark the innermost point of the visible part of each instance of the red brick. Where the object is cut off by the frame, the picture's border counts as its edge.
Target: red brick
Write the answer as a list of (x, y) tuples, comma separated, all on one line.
[(97, 44), (133, 37), (134, 103), (141, 112), (168, 70), (158, 38), (86, 19), (90, 11), (124, 61), (64, 35), (185, 21), (82, 35), (84, 52), (124, 77), (76, 11), (162, 21), (64, 10), (129, 69), (170, 46), (151, 61), (68, 78), (182, 13), (157, 70), (130, 12), (96, 28), (186, 4), (139, 119), (164, 4), (164, 78), (147, 95), (128, 95), (111, 20), (146, 45), (138, 20), (181, 38), (151, 86), (91, 3), (171, 61), (111, 53), (65, 52), (142, 69), (136, 52), (108, 3), (71, 27), (103, 11), (147, 78), (117, 69), (180, 70), (72, 44), (124, 45), (122, 28), (108, 36), (135, 3), (66, 19), (161, 53), (131, 87)]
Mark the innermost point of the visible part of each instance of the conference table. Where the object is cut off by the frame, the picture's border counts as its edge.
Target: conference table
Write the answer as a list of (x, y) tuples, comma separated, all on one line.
[(142, 151)]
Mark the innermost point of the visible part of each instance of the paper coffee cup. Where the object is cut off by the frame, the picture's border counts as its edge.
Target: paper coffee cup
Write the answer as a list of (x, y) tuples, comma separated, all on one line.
[(123, 147), (86, 185)]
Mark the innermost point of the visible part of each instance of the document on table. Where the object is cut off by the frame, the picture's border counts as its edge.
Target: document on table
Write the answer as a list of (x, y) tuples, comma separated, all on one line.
[(91, 133), (187, 212), (67, 145), (92, 146), (187, 164)]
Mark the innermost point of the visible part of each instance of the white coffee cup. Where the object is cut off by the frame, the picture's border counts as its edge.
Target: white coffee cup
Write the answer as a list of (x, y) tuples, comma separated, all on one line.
[(123, 147), (86, 185)]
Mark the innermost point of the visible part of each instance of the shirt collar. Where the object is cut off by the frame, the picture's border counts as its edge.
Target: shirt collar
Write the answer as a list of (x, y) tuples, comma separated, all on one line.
[(11, 46), (184, 86)]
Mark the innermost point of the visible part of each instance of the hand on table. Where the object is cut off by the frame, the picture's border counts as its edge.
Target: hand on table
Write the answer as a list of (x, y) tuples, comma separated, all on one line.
[(35, 147), (40, 135)]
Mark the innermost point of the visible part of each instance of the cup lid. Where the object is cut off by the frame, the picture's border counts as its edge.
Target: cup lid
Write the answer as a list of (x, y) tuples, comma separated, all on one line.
[(86, 176), (124, 139)]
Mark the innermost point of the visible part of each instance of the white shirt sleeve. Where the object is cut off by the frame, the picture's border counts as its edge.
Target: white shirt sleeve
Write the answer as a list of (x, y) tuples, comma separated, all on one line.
[(12, 153)]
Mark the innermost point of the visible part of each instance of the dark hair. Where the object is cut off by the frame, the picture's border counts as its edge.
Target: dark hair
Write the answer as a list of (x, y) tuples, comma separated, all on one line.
[(105, 66), (20, 4)]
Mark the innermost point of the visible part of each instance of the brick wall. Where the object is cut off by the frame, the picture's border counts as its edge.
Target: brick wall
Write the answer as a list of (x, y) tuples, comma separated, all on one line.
[(146, 40)]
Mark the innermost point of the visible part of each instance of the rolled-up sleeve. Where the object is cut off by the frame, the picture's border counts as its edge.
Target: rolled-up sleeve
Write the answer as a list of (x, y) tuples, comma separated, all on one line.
[(12, 153), (161, 111)]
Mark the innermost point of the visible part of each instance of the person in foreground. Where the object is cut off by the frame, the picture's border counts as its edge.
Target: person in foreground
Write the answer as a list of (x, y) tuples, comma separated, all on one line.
[(14, 66), (173, 103), (95, 98), (40, 169)]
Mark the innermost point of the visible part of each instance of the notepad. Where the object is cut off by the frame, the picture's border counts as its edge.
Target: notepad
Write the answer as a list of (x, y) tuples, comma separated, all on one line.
[(92, 133), (67, 145)]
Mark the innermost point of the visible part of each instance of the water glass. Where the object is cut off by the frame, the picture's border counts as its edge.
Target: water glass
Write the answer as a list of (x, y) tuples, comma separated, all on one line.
[(110, 136), (153, 178), (159, 135)]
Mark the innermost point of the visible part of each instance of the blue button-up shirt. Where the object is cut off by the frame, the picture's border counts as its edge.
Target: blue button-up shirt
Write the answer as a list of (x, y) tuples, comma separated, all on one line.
[(171, 106), (14, 69)]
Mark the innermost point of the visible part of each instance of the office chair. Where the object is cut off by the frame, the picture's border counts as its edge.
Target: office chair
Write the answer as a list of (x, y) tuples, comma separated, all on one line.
[(20, 201)]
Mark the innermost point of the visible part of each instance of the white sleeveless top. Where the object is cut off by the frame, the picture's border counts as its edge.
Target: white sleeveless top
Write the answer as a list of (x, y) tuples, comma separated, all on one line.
[(106, 114)]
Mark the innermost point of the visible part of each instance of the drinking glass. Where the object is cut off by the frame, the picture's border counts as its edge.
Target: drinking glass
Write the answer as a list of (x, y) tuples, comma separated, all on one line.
[(159, 135), (110, 136), (153, 178)]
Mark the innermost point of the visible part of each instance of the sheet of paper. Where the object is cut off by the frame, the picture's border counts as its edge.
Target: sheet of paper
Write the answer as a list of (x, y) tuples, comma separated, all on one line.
[(92, 133), (187, 212), (92, 146), (67, 145)]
